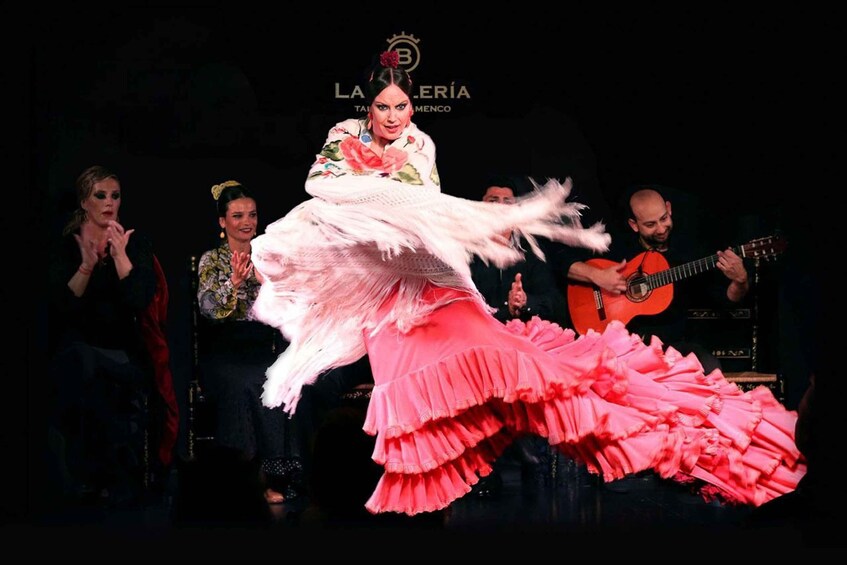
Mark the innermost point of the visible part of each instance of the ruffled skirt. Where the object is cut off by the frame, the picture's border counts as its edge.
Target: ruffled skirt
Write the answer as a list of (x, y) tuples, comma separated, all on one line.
[(450, 395)]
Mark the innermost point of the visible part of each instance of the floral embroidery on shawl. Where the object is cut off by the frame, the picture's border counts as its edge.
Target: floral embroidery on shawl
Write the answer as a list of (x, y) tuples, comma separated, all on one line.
[(345, 152)]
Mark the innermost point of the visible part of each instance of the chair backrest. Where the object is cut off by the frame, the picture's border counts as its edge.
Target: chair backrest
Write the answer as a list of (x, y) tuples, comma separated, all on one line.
[(194, 283), (201, 409), (199, 429)]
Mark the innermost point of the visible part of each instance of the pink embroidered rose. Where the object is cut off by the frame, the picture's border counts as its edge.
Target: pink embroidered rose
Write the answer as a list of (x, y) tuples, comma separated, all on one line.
[(393, 159), (359, 156)]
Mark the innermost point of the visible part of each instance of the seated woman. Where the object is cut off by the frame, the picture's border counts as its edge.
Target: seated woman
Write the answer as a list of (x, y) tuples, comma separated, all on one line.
[(101, 281), (237, 350)]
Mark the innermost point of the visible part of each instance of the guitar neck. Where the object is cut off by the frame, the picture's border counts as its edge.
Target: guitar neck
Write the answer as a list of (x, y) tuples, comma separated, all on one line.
[(669, 276)]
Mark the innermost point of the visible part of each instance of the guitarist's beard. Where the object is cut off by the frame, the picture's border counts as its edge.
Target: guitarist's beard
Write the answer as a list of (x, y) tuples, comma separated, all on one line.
[(658, 244)]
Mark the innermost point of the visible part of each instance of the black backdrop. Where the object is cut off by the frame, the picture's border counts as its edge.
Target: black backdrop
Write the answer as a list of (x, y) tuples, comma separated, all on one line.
[(718, 104)]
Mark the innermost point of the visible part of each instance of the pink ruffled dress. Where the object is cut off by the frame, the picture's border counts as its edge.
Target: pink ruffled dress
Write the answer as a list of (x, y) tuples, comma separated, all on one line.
[(451, 394), (376, 263)]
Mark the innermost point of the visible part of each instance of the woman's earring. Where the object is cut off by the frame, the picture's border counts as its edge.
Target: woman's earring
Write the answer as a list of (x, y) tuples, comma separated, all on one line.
[(223, 235)]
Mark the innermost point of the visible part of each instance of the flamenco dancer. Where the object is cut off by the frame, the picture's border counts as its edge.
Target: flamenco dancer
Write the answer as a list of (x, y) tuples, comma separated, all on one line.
[(376, 263)]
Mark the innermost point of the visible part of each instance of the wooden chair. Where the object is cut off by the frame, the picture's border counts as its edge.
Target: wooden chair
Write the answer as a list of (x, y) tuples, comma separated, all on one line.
[(146, 411), (200, 411), (739, 346)]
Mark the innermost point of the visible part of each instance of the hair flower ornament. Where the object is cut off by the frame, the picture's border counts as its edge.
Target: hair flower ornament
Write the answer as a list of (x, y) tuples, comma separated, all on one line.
[(218, 188), (389, 59)]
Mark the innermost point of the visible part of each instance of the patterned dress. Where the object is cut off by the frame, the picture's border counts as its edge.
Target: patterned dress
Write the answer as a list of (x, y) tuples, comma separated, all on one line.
[(235, 352), (377, 261)]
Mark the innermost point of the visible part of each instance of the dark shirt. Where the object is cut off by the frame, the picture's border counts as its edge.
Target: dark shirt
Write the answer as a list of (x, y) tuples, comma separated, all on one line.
[(106, 314), (542, 296)]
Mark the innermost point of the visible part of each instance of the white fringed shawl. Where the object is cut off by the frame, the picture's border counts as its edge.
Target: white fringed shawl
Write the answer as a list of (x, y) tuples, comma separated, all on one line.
[(375, 225)]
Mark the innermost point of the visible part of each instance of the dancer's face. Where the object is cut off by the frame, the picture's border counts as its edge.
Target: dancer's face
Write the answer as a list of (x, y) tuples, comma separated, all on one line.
[(390, 113)]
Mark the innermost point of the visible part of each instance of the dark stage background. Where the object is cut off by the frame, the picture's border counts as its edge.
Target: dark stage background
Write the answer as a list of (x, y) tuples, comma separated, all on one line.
[(718, 105)]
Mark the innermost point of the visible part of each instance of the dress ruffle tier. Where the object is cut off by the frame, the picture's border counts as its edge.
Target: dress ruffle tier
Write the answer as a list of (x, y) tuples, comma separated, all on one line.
[(452, 394)]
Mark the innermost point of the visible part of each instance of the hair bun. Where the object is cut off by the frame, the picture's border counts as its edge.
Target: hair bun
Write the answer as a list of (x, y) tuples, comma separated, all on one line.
[(218, 188)]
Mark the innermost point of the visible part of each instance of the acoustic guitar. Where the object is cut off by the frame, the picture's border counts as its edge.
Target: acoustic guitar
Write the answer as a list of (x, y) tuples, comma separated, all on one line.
[(649, 288)]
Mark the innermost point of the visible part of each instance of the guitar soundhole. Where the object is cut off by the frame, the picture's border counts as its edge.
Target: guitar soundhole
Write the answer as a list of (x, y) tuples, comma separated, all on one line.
[(637, 289)]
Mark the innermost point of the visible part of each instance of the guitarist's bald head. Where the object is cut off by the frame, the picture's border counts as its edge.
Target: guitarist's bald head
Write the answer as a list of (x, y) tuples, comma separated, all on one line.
[(643, 200), (650, 218)]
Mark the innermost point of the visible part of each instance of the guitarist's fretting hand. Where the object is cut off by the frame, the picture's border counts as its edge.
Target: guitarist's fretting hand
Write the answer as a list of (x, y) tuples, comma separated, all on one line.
[(517, 297), (731, 265)]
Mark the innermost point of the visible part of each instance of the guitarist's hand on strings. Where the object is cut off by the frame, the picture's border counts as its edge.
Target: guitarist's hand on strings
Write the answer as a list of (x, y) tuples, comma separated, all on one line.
[(611, 279), (517, 297)]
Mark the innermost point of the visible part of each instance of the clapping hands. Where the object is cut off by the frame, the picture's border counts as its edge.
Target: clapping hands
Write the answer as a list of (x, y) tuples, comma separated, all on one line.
[(88, 252), (117, 238), (517, 297), (242, 266)]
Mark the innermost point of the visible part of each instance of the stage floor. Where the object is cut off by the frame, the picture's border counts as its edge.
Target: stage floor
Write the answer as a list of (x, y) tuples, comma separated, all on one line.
[(205, 502)]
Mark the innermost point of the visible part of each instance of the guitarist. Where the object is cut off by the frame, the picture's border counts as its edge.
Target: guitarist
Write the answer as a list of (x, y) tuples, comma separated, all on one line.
[(649, 217)]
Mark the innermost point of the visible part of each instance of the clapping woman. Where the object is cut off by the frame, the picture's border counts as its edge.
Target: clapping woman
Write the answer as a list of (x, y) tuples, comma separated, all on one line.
[(237, 349), (101, 280)]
